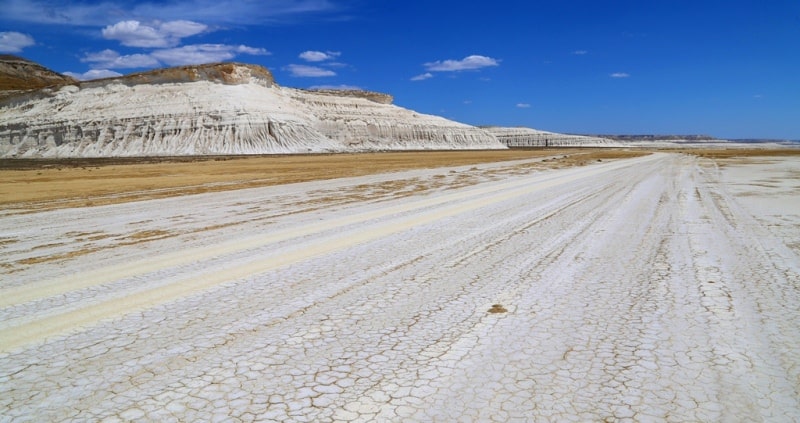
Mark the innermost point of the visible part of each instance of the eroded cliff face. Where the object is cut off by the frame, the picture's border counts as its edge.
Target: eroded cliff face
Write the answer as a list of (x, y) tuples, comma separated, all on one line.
[(216, 109), (527, 137), (156, 120), (368, 122)]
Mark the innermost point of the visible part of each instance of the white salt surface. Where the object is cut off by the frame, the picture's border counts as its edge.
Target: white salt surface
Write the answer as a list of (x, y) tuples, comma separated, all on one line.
[(650, 289), (768, 188)]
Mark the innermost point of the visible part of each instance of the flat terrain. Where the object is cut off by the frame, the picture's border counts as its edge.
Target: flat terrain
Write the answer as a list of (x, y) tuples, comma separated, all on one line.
[(651, 288), (35, 184)]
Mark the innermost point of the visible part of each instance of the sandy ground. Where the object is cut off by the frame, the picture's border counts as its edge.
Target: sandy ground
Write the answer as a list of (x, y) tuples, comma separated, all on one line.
[(658, 288), (37, 184)]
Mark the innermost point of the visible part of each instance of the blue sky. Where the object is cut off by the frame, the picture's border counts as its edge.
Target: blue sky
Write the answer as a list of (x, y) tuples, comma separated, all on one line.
[(725, 68)]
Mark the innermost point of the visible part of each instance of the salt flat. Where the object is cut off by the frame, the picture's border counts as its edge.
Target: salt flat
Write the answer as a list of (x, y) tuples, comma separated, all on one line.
[(647, 289)]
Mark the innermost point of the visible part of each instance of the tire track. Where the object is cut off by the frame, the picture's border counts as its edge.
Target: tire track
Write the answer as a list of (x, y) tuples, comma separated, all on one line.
[(418, 213), (608, 316)]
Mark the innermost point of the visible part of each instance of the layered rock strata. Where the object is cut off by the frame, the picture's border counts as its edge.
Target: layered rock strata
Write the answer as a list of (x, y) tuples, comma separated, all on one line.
[(364, 122), (527, 137), (216, 109)]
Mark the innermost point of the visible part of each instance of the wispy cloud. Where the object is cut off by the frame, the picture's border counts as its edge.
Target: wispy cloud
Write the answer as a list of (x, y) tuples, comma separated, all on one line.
[(93, 74), (424, 76), (580, 52), (523, 105), (319, 56), (14, 42), (102, 61), (237, 11), (186, 55), (110, 59), (84, 13), (620, 75), (305, 71), (253, 51), (468, 63), (203, 53), (161, 34)]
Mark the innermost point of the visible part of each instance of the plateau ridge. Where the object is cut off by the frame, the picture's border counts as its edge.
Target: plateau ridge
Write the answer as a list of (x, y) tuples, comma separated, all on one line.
[(226, 108)]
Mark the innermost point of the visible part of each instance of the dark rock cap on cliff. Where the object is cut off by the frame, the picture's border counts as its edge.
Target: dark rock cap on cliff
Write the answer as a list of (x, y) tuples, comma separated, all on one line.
[(225, 73), (18, 74)]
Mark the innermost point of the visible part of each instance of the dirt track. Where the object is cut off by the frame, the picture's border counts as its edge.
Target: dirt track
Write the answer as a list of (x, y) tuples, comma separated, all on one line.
[(644, 288)]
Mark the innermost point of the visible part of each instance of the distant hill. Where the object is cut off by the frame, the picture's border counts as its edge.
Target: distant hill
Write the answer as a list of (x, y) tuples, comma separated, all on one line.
[(528, 137), (647, 139), (764, 141), (18, 74), (656, 137)]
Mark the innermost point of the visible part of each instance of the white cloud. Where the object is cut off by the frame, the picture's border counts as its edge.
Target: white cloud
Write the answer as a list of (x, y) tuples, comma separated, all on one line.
[(93, 74), (467, 63), (133, 34), (194, 54), (619, 75), (336, 87), (580, 52), (203, 53), (110, 59), (186, 55), (181, 28), (319, 56), (253, 51), (308, 71), (161, 34), (101, 13), (14, 42), (424, 76), (523, 105)]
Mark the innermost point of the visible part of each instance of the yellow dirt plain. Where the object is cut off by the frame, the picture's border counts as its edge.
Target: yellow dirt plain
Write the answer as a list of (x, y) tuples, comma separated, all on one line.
[(34, 185)]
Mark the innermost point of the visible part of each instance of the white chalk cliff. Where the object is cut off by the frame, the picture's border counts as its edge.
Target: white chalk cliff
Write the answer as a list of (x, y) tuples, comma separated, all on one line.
[(216, 109), (527, 137)]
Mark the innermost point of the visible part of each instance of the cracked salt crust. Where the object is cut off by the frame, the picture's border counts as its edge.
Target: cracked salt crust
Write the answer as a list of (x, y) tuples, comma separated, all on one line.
[(641, 290)]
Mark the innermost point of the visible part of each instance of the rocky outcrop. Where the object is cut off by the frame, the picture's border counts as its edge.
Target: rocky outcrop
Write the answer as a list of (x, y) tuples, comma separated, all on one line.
[(369, 95), (527, 137), (224, 73), (18, 75), (216, 109)]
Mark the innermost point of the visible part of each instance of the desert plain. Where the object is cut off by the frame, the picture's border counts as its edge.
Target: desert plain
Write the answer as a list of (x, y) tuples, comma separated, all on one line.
[(521, 285)]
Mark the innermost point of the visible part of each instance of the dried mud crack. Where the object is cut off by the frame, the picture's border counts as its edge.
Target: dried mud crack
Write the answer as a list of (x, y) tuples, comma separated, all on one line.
[(655, 288)]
